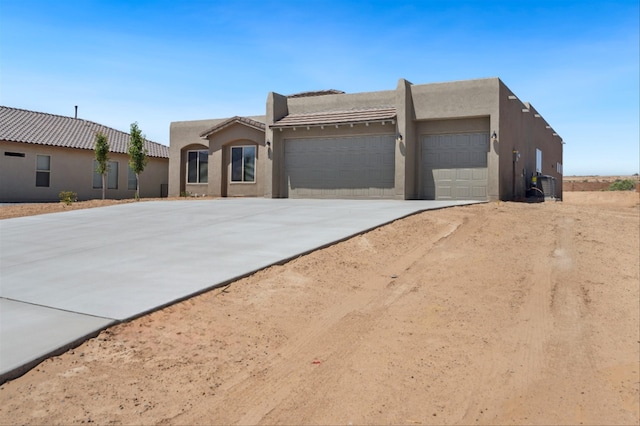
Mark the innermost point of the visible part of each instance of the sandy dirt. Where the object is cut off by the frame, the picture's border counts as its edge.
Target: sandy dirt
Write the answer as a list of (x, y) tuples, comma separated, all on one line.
[(9, 211), (500, 313)]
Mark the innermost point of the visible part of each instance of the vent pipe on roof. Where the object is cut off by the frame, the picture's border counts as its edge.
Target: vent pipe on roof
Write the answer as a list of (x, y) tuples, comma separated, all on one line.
[(76, 111)]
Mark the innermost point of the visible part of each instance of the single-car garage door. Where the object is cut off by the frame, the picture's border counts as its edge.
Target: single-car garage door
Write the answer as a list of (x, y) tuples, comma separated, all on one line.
[(345, 167), (454, 166)]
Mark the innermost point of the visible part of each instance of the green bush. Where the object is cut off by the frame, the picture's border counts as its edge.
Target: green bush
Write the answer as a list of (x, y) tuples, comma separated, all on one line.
[(622, 185), (68, 197)]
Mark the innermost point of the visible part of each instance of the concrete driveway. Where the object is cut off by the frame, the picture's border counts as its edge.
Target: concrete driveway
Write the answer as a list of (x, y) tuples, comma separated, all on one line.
[(66, 276)]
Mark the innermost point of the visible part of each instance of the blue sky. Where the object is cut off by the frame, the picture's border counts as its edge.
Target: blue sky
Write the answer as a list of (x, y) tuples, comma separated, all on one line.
[(155, 62)]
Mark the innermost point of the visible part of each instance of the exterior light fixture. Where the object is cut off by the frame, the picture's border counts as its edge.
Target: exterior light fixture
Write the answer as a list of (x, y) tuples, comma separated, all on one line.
[(399, 137), (494, 136), (268, 144)]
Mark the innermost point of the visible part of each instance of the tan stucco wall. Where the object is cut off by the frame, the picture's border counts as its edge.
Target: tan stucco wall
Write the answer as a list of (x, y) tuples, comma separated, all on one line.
[(71, 170), (182, 136), (406, 143), (279, 106), (480, 105), (459, 106), (220, 145), (524, 132), (341, 102), (185, 136)]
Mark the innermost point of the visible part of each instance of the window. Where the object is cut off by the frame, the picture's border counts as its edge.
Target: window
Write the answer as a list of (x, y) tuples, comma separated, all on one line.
[(112, 176), (559, 168), (538, 161), (14, 154), (132, 182), (43, 170), (243, 164), (198, 166)]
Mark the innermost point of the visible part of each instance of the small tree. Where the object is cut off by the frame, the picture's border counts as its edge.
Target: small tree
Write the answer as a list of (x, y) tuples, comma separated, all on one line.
[(102, 158), (137, 154)]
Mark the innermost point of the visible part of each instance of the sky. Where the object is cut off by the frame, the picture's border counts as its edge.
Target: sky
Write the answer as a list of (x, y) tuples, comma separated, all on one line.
[(154, 62)]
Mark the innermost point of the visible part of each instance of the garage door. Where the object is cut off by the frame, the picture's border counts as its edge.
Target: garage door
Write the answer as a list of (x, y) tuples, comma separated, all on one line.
[(454, 167), (347, 167)]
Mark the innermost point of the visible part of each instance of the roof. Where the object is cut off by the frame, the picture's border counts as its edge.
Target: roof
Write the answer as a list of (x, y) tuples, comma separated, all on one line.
[(316, 93), (337, 117), (250, 122), (19, 125)]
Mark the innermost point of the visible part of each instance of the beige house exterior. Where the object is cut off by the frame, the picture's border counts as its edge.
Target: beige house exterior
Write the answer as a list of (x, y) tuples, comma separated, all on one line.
[(43, 154), (469, 139)]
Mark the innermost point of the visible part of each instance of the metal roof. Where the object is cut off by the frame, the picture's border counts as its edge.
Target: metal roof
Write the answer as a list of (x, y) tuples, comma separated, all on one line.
[(337, 117), (19, 125)]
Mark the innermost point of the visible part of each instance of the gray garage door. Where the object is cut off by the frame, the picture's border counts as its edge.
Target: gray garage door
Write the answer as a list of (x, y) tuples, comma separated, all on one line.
[(346, 167), (454, 167)]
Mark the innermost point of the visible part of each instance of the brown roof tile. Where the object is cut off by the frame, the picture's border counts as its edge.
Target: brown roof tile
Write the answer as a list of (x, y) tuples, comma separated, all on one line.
[(19, 125), (336, 117), (316, 93), (258, 125)]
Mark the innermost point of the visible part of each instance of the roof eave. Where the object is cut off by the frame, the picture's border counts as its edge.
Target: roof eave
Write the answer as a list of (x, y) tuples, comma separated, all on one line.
[(234, 120), (336, 124)]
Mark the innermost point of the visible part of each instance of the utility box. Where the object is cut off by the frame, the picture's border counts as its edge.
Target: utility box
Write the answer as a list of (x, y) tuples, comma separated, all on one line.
[(548, 186)]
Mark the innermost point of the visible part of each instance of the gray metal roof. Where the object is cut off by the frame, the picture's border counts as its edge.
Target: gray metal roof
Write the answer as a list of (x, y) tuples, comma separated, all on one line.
[(258, 125), (337, 117), (19, 125)]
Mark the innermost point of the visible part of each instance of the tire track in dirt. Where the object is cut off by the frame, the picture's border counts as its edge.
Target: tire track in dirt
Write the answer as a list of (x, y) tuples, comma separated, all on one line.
[(331, 337), (500, 313)]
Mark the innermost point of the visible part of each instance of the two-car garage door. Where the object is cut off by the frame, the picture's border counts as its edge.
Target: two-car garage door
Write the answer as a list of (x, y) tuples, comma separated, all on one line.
[(454, 166), (340, 167)]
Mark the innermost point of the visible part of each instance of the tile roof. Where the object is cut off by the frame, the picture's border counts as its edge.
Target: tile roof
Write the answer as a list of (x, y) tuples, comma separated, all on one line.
[(316, 93), (19, 125), (336, 117), (258, 125)]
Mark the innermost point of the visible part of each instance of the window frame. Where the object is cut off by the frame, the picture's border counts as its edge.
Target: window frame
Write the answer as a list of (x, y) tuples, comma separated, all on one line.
[(538, 160), (198, 170), (132, 181), (109, 174), (243, 170), (43, 172)]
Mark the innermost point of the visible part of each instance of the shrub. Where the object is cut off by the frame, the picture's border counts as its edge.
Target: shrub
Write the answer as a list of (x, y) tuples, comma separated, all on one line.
[(622, 185), (68, 197)]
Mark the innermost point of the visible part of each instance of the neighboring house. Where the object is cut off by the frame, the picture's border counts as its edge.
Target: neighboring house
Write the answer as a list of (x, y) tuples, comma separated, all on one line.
[(469, 139), (43, 154)]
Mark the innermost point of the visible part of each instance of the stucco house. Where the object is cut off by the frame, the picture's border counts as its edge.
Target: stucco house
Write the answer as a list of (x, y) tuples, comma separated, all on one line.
[(470, 139), (43, 154)]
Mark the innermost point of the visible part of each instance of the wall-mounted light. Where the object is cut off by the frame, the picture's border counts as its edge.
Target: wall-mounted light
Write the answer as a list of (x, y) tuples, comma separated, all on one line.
[(268, 144), (494, 136), (399, 137)]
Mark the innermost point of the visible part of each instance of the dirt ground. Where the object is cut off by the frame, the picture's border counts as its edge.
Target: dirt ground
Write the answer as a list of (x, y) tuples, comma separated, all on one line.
[(500, 313), (32, 209)]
